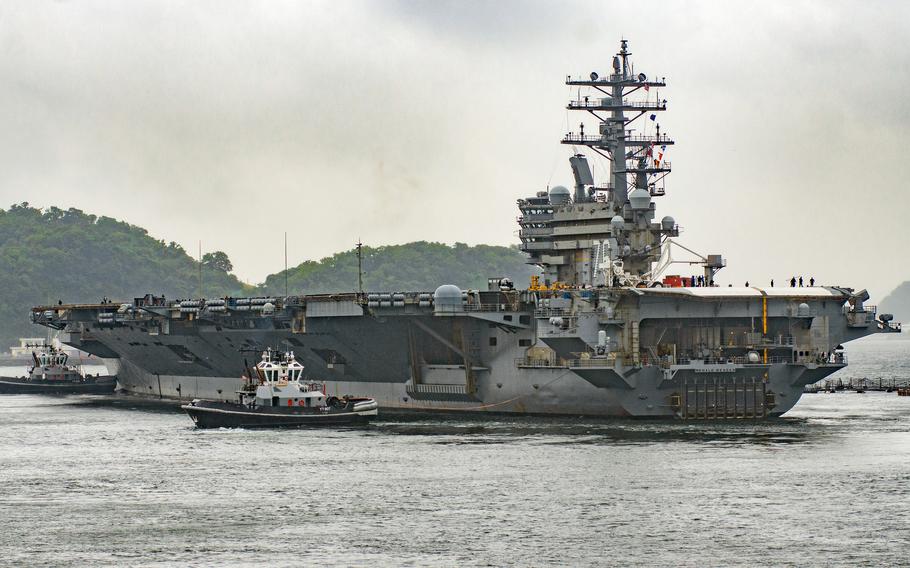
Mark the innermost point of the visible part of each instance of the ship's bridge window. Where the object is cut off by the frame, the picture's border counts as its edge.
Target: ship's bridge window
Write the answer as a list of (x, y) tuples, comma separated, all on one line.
[(295, 369)]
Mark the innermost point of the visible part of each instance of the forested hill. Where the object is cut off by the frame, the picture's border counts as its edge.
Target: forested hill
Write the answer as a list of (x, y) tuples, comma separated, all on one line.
[(897, 303), (52, 254), (418, 266)]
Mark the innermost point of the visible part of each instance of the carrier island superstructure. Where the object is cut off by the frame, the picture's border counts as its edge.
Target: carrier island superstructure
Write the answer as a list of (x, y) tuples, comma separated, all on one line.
[(603, 331)]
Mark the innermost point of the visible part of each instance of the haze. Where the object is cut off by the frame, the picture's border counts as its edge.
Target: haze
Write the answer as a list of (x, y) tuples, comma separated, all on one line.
[(232, 123)]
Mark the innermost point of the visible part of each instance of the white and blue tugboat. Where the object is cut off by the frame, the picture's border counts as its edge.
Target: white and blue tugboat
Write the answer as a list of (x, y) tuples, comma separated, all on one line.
[(274, 395), (50, 373)]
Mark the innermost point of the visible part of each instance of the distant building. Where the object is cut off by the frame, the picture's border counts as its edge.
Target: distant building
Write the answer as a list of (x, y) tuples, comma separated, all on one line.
[(27, 345), (24, 349)]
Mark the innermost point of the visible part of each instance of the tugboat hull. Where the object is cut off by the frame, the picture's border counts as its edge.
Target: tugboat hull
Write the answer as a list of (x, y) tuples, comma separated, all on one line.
[(206, 414), (99, 385)]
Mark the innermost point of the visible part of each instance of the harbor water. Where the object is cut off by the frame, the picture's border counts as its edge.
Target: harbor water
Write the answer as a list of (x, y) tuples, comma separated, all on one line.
[(112, 481)]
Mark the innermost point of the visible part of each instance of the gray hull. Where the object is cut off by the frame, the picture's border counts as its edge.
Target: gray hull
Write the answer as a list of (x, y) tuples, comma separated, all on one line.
[(508, 356), (99, 385), (546, 390)]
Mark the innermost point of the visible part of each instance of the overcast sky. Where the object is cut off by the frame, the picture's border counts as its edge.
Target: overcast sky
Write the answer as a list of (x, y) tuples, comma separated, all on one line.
[(399, 121)]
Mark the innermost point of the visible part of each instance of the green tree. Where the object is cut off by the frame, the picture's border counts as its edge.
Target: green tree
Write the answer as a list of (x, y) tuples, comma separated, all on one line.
[(55, 254), (418, 266), (217, 260)]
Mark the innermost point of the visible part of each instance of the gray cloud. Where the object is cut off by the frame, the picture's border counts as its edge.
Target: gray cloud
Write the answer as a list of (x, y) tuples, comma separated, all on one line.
[(233, 122)]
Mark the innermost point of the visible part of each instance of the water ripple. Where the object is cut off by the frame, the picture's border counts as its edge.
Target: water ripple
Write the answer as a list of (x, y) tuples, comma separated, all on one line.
[(103, 481)]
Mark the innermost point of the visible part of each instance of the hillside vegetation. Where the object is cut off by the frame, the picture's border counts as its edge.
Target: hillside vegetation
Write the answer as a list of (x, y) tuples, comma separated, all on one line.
[(897, 303), (53, 254), (418, 266)]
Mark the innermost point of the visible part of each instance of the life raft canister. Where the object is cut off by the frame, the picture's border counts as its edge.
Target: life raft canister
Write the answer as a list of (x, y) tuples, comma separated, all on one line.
[(290, 402), (301, 403)]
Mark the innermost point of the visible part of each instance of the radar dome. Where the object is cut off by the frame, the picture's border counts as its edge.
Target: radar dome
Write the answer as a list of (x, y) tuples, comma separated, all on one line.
[(559, 195), (447, 298), (639, 199), (803, 310), (667, 223), (617, 223)]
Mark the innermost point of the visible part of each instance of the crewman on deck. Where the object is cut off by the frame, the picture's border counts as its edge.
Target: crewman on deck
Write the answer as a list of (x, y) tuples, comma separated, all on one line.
[(811, 281), (800, 281), (772, 283), (793, 282)]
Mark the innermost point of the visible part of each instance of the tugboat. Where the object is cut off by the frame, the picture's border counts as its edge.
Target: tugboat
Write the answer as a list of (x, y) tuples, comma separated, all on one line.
[(273, 396), (50, 374)]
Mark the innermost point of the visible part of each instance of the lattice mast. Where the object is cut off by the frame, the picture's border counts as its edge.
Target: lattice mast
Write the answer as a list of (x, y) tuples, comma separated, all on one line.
[(636, 159), (605, 234)]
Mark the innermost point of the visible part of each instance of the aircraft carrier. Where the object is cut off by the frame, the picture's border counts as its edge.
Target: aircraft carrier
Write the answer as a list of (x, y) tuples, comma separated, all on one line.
[(606, 330)]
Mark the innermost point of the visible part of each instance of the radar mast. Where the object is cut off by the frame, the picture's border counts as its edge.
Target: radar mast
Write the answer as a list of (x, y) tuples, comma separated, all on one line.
[(606, 231)]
